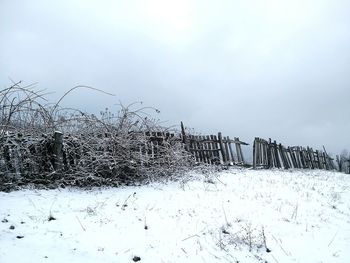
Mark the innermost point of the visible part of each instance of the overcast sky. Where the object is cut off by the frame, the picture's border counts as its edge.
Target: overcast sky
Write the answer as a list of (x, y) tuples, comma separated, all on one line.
[(267, 68)]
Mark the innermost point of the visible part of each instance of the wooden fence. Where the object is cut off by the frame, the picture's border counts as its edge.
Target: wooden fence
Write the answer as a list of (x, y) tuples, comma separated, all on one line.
[(268, 154), (24, 154), (29, 155), (143, 148), (212, 149)]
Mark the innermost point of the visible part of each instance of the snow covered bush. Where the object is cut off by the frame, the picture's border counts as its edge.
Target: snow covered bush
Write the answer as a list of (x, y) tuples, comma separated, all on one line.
[(110, 149)]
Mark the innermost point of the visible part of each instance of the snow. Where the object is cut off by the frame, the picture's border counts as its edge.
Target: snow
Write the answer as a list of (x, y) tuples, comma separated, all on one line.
[(303, 216)]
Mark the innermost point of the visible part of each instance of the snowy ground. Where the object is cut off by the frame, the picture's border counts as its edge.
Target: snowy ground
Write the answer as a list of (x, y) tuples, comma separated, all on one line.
[(240, 216)]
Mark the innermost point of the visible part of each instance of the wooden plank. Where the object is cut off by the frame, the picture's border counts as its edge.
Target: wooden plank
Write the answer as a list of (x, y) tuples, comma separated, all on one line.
[(325, 155), (258, 150), (200, 150), (266, 156), (222, 150), (278, 163), (288, 158), (269, 154), (194, 148), (274, 157), (205, 148), (297, 157), (302, 159), (261, 149), (201, 144), (283, 157), (216, 148), (318, 159), (262, 156), (254, 152), (306, 158), (230, 149), (225, 142), (324, 158), (210, 148), (240, 157), (289, 150), (200, 153), (311, 157)]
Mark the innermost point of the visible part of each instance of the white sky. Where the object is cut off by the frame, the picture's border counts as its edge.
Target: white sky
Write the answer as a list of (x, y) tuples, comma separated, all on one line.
[(268, 68)]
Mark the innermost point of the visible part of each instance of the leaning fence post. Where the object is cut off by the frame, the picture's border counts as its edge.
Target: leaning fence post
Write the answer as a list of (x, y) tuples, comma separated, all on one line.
[(184, 138), (239, 151), (222, 148), (57, 150)]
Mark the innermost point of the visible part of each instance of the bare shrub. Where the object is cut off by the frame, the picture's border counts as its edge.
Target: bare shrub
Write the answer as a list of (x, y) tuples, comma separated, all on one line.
[(111, 149), (243, 235)]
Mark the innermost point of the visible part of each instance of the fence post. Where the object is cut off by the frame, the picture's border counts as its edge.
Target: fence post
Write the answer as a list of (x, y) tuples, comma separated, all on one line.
[(306, 158), (278, 163), (184, 138), (326, 160), (240, 157), (57, 150), (283, 157), (225, 142), (215, 147), (202, 149), (254, 153), (311, 155), (192, 146), (269, 154), (222, 148), (210, 149)]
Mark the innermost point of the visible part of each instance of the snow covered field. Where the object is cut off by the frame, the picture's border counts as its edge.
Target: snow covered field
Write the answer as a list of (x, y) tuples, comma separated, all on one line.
[(232, 216)]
